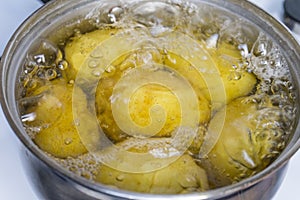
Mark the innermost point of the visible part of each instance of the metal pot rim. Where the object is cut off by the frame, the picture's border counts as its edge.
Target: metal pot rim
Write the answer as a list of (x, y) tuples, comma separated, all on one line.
[(82, 183)]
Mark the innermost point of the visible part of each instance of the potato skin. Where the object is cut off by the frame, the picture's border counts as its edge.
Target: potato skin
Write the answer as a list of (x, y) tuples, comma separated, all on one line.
[(237, 81), (80, 48), (248, 141), (236, 84), (58, 134), (181, 176)]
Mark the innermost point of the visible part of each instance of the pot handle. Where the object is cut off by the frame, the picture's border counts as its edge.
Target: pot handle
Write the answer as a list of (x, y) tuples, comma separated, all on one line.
[(292, 15), (45, 1)]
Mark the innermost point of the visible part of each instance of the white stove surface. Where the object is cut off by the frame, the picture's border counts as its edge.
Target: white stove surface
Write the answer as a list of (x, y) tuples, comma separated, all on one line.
[(13, 181)]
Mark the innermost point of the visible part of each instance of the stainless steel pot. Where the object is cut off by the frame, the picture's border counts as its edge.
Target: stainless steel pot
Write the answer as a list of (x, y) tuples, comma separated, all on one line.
[(51, 181)]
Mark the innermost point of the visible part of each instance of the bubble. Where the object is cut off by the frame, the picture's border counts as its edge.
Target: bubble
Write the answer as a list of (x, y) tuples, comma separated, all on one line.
[(117, 11), (275, 88), (31, 84), (97, 54), (63, 65), (154, 14), (281, 145), (156, 165), (84, 165), (86, 175), (32, 131), (76, 122), (244, 50), (40, 59), (120, 177), (262, 47), (110, 69), (50, 74), (270, 64), (73, 169), (71, 82), (97, 73), (68, 141), (112, 18), (93, 64), (204, 58), (59, 56), (77, 32), (235, 76)]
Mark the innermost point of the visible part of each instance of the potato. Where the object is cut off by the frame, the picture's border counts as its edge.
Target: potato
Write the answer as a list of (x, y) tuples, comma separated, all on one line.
[(58, 134), (142, 99), (44, 101), (81, 47), (181, 176), (151, 95), (237, 81), (140, 102), (236, 84), (248, 142)]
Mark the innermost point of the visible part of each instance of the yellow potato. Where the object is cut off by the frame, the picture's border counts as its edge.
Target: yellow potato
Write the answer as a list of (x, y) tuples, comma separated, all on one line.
[(44, 102), (248, 142), (81, 47), (151, 95), (237, 82), (58, 134), (104, 111), (142, 100), (181, 176)]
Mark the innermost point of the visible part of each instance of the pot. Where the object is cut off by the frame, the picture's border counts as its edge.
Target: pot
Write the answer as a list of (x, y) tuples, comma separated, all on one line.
[(51, 181)]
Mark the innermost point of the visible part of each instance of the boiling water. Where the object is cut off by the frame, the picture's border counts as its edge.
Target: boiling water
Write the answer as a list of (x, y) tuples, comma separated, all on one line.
[(191, 74)]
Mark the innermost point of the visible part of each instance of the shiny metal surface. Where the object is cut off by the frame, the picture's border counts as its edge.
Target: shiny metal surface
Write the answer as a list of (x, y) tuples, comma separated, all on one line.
[(67, 189), (292, 15), (265, 183)]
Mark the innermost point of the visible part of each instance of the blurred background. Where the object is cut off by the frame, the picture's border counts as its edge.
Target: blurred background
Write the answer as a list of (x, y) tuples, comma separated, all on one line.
[(13, 181)]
